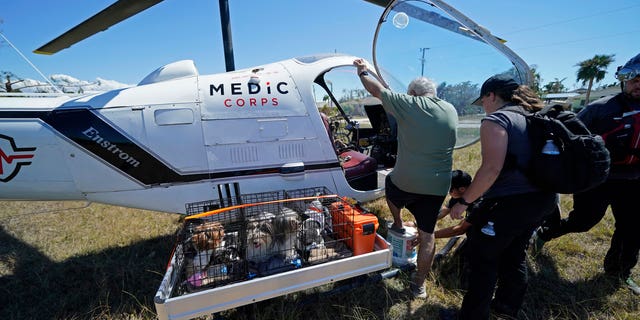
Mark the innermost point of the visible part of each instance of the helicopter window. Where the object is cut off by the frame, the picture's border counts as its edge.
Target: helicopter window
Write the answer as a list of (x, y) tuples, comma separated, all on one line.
[(417, 38), (340, 96), (173, 116), (343, 93)]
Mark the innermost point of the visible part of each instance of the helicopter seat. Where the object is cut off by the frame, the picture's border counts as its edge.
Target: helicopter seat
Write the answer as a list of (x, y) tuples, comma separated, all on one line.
[(359, 169)]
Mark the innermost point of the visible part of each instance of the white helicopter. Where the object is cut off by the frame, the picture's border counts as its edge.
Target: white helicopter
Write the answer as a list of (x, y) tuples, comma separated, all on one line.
[(179, 137)]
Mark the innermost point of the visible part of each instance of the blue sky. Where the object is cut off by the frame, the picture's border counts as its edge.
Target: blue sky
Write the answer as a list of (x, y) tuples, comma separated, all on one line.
[(554, 35)]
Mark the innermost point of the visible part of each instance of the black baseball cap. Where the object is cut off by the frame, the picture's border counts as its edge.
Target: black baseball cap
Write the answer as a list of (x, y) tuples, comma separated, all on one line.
[(500, 82), (459, 179)]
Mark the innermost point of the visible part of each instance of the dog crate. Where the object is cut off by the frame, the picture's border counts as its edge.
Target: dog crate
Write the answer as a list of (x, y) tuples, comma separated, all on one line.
[(238, 250)]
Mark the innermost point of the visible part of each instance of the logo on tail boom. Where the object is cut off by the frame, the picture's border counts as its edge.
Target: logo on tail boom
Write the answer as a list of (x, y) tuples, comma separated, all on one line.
[(12, 158)]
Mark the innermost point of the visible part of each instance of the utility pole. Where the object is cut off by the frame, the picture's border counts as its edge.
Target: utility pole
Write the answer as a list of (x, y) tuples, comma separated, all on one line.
[(422, 60)]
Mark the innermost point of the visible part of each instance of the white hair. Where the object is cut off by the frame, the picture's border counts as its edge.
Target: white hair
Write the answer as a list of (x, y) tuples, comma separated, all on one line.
[(422, 86)]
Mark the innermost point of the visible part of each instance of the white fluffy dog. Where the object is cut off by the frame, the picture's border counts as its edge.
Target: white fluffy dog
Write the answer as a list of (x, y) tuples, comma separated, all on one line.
[(269, 234)]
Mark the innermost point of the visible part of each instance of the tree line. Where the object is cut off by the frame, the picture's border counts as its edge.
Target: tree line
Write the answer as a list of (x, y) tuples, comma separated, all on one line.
[(589, 72)]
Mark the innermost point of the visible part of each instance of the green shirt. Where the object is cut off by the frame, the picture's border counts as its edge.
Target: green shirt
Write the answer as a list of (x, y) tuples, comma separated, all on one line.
[(426, 137)]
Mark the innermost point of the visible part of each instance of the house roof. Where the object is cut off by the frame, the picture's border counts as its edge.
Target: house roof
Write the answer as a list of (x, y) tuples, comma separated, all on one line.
[(561, 95)]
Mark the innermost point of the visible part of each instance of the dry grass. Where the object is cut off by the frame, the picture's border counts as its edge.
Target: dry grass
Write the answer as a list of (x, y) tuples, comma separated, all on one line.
[(61, 260)]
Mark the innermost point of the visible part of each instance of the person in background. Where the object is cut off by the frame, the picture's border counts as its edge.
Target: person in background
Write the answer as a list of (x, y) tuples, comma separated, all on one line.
[(621, 187), (497, 250), (421, 176)]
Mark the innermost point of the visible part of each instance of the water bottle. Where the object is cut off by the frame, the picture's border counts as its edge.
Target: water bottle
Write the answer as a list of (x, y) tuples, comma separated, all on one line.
[(550, 148), (488, 229)]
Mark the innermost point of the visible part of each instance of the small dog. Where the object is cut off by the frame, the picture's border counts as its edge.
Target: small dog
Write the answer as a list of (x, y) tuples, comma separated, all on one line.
[(269, 234), (206, 239), (208, 236), (310, 235), (259, 237), (286, 226)]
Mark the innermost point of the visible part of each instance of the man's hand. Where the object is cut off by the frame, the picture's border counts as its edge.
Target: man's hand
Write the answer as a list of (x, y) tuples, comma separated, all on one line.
[(360, 64), (371, 84)]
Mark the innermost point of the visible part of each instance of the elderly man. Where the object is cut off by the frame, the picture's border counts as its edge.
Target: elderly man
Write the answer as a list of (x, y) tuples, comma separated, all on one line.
[(422, 174)]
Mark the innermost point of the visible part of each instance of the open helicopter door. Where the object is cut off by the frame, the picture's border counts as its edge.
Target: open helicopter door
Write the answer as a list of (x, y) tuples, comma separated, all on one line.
[(432, 39), (413, 38)]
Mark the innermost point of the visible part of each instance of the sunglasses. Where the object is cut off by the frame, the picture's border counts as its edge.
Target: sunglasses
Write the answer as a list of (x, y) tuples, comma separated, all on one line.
[(626, 74)]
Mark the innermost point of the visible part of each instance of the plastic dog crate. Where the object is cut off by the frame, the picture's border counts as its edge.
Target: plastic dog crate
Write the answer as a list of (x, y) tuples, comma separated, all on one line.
[(259, 246)]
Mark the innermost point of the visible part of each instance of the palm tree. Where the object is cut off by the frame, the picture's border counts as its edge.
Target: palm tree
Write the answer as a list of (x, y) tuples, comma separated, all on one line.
[(537, 79), (593, 69)]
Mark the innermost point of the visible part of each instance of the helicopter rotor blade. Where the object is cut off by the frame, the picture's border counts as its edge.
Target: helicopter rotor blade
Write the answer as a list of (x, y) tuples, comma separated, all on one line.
[(101, 21)]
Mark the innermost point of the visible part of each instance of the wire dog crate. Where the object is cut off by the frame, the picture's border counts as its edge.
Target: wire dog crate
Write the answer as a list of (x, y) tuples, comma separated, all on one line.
[(261, 239)]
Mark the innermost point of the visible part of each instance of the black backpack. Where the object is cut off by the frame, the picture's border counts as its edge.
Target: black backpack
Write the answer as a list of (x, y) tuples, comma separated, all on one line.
[(583, 160)]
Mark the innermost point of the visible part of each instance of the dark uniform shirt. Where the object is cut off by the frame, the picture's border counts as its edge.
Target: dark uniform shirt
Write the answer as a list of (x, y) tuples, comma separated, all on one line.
[(598, 117)]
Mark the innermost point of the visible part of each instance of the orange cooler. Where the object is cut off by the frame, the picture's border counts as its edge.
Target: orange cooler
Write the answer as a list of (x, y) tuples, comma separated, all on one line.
[(355, 228)]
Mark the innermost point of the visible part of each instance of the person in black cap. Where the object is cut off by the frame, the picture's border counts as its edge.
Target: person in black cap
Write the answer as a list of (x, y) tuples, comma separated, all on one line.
[(497, 250), (617, 119)]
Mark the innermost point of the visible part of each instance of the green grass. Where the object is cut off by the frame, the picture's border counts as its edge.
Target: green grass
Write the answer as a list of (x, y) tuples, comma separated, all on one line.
[(65, 260)]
